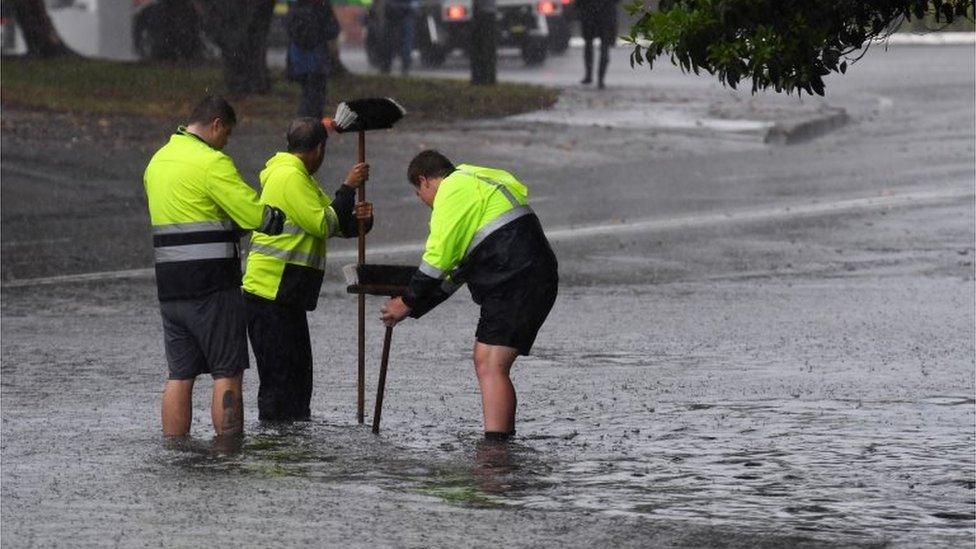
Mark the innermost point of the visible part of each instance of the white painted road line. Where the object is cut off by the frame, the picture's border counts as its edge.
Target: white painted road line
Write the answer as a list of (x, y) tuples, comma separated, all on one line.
[(760, 214), (38, 242), (770, 213), (82, 277), (25, 171)]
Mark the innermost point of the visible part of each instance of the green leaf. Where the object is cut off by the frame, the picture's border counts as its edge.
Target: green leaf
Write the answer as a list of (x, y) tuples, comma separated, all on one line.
[(785, 45)]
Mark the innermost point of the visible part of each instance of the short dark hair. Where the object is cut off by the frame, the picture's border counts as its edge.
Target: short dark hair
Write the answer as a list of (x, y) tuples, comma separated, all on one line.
[(211, 108), (305, 134), (429, 163)]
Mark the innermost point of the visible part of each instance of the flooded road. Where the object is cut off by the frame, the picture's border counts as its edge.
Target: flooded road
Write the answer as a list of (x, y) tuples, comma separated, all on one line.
[(795, 409), (753, 346)]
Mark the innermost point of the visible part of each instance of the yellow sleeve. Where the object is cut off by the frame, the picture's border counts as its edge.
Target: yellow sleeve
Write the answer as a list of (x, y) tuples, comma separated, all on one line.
[(453, 222), (238, 199), (308, 207)]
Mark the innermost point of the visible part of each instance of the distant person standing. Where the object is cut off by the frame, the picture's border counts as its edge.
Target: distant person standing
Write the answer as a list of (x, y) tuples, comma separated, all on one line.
[(598, 19), (311, 26), (399, 17)]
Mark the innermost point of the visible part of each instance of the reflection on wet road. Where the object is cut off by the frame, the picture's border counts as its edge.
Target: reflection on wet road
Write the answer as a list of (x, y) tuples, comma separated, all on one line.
[(801, 376), (842, 470), (725, 420)]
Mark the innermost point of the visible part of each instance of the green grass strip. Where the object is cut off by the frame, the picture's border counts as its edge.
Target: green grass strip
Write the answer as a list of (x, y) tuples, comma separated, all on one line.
[(164, 90)]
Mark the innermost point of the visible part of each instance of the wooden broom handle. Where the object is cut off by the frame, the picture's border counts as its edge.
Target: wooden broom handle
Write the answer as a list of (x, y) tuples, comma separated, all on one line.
[(361, 197), (381, 385), (361, 369)]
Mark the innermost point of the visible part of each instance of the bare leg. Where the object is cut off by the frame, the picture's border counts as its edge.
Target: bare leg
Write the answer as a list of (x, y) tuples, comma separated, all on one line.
[(493, 363), (177, 407), (227, 407)]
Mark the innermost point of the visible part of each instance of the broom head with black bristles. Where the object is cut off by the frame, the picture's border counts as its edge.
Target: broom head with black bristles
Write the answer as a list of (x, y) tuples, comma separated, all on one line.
[(374, 113)]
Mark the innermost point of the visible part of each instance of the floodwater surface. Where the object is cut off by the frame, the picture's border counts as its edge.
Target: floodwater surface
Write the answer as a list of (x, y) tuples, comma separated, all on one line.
[(800, 378), (828, 435)]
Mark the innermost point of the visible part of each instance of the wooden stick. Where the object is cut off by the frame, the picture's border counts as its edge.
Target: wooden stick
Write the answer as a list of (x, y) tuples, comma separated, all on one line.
[(381, 386), (361, 370)]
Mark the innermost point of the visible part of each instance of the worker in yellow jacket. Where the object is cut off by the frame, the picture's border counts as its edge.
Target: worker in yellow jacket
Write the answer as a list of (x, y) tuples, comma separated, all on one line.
[(483, 233), (198, 206), (284, 272)]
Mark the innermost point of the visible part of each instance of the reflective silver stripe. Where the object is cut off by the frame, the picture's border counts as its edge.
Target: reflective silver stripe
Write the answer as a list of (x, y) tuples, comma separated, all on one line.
[(193, 252), (291, 256), (291, 228), (195, 227), (495, 224), (508, 194), (500, 186), (332, 223), (430, 270), (479, 237), (516, 212)]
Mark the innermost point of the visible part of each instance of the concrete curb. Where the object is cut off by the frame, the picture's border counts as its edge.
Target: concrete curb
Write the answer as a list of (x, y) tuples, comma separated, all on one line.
[(789, 132), (897, 39), (932, 39), (786, 128)]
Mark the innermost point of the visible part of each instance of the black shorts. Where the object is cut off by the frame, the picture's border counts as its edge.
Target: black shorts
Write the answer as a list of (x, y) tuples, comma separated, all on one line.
[(512, 316), (205, 335)]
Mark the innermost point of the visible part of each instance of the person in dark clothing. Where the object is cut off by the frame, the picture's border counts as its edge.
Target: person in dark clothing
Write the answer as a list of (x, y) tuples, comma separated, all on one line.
[(483, 233), (311, 26), (284, 272), (598, 19), (399, 18)]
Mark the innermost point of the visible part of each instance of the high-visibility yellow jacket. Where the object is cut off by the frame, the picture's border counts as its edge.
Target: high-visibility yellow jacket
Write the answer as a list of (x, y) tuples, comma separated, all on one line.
[(289, 268), (198, 203), (482, 232)]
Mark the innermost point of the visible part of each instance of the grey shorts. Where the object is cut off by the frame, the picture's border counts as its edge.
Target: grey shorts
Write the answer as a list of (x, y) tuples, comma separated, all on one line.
[(205, 335)]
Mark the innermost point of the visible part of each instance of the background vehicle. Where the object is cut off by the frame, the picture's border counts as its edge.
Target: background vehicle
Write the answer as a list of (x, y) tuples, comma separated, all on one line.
[(561, 27), (444, 26), (170, 29), (166, 29), (8, 29)]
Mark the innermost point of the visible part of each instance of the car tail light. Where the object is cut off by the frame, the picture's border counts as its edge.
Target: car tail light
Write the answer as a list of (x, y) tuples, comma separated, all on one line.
[(547, 7), (567, 2), (455, 12)]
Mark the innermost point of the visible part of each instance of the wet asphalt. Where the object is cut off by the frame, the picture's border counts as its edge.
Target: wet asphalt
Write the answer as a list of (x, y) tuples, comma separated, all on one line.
[(754, 345)]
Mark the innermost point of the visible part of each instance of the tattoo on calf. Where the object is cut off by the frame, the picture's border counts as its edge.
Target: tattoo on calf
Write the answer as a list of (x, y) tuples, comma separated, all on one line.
[(233, 412)]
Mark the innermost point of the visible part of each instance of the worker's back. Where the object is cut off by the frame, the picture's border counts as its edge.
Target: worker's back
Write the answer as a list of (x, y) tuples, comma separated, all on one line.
[(197, 203), (176, 181), (288, 268), (483, 232)]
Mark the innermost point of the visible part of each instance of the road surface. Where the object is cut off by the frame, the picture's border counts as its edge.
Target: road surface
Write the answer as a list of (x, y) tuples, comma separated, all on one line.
[(754, 345)]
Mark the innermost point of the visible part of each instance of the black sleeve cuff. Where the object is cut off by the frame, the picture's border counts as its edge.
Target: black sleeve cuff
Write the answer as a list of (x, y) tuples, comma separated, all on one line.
[(424, 293), (344, 206)]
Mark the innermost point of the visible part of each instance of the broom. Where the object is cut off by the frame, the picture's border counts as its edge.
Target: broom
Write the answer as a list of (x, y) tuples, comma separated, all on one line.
[(363, 115)]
